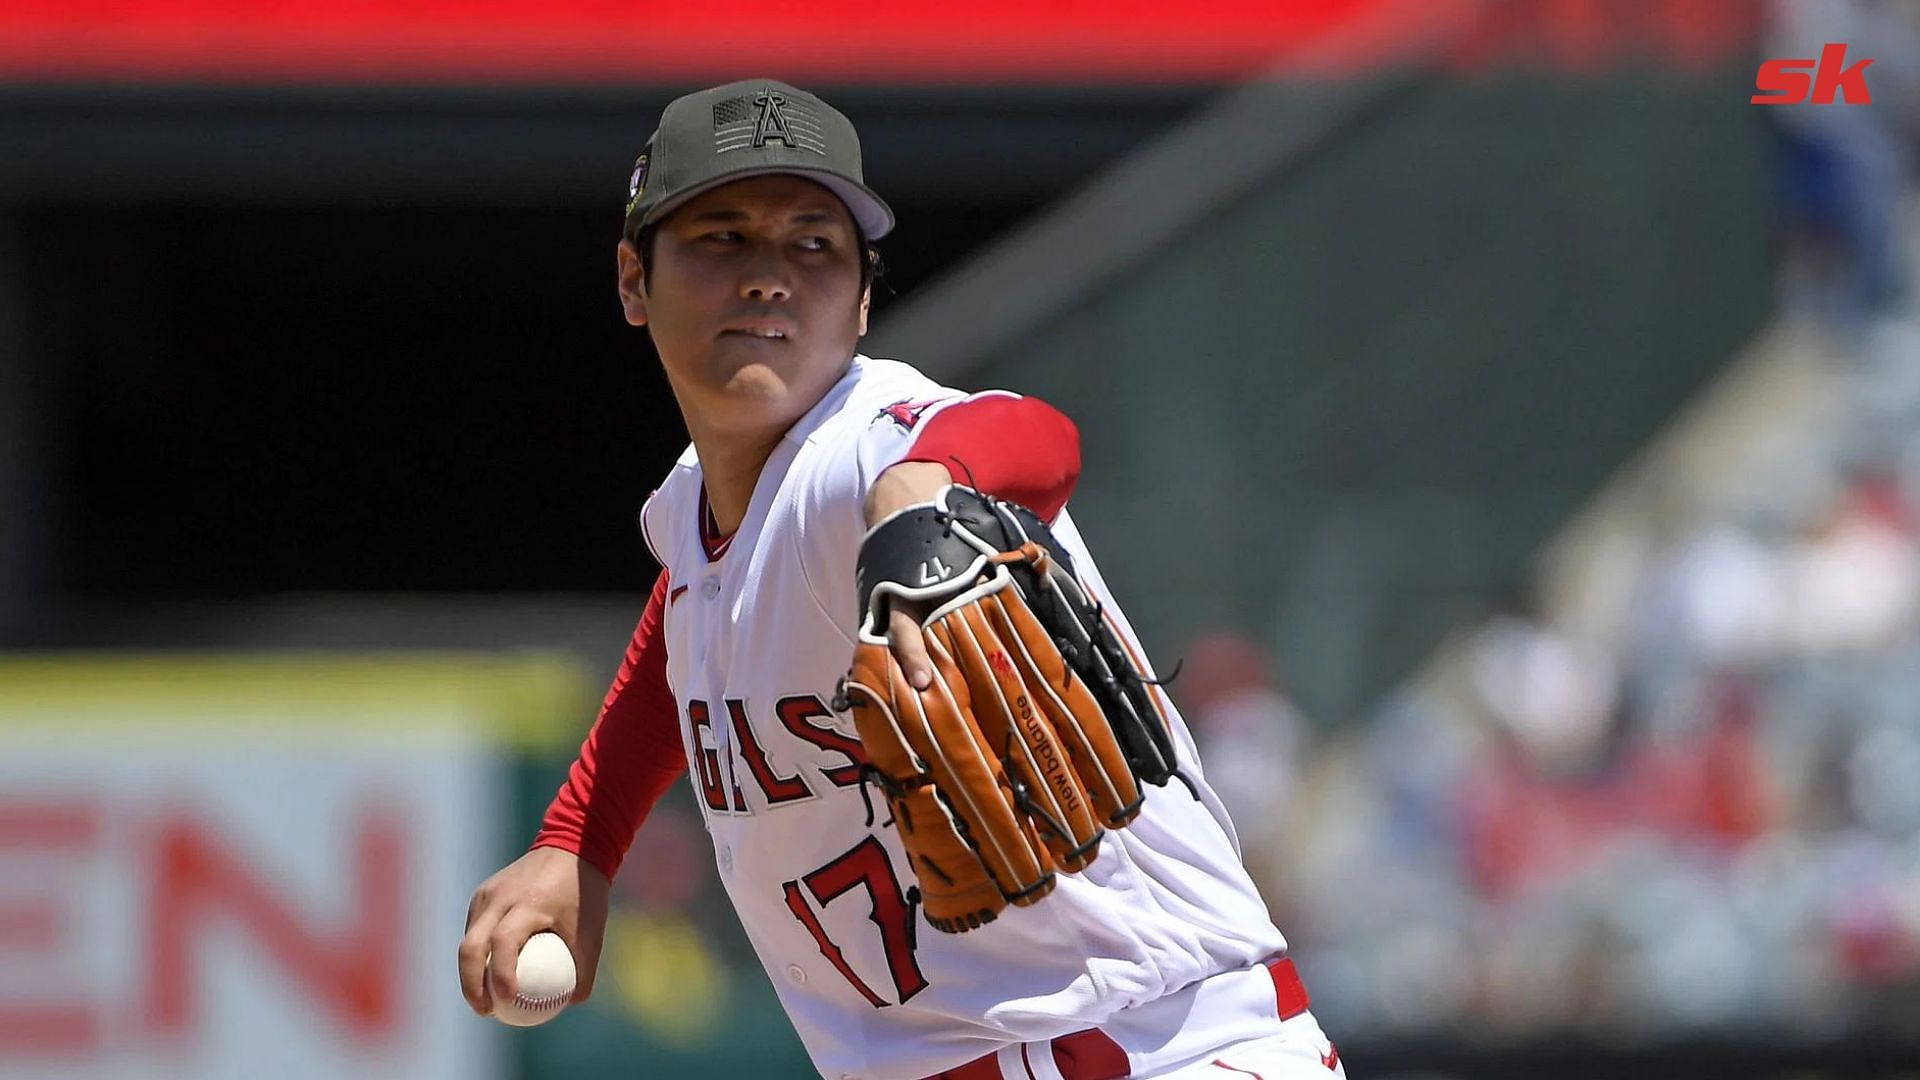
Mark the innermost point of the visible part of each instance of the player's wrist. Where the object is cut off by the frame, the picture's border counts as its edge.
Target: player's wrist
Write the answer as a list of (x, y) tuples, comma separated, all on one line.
[(602, 857), (908, 483)]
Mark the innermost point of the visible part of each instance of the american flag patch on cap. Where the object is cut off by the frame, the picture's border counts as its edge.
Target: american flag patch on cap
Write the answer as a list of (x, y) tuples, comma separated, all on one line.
[(751, 121)]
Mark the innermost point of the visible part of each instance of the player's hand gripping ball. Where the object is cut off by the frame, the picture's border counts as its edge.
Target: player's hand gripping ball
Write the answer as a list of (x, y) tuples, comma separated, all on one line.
[(545, 975)]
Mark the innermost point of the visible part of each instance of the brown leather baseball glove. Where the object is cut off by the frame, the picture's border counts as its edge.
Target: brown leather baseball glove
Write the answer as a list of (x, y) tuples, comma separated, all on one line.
[(1037, 727)]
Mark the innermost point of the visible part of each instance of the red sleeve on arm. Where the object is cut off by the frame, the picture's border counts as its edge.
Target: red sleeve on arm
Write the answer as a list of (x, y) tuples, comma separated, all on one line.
[(630, 758), (1018, 448)]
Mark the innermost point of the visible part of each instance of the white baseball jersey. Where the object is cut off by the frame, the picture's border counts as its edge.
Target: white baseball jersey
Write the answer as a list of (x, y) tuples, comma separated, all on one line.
[(758, 635)]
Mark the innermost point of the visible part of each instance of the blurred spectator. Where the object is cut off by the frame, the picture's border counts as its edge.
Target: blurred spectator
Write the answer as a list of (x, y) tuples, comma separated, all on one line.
[(1541, 797), (1714, 599), (1854, 582), (1251, 741), (1847, 170), (1552, 699)]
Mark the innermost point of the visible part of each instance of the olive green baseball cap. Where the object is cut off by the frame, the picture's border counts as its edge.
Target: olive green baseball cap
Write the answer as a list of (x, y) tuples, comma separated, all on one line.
[(750, 128)]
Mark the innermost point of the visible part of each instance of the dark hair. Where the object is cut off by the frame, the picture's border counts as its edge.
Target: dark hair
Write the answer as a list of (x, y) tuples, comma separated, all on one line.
[(871, 265)]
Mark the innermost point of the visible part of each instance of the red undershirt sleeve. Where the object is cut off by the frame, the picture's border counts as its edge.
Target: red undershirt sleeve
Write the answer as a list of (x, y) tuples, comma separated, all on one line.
[(1018, 448), (629, 759)]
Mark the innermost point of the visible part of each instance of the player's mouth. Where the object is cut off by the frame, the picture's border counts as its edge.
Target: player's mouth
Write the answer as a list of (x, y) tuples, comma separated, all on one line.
[(763, 331)]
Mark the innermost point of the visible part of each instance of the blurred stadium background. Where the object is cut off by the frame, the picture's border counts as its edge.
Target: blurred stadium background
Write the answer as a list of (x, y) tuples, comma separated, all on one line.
[(1515, 431)]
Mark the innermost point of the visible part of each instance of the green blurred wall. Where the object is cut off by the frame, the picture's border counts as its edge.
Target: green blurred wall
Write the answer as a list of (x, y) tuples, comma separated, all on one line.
[(1340, 414)]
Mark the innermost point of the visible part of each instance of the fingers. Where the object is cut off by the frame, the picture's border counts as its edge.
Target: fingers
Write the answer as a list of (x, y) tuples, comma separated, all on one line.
[(491, 946), (481, 918), (509, 936), (909, 646)]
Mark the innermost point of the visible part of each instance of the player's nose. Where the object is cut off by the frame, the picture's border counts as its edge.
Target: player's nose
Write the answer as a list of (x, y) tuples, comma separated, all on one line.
[(767, 279)]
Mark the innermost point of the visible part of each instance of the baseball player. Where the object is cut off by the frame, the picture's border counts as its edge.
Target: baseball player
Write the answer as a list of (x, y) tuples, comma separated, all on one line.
[(963, 827)]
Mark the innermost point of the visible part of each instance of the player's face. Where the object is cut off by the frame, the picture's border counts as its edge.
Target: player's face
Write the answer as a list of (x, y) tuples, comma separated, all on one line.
[(754, 300)]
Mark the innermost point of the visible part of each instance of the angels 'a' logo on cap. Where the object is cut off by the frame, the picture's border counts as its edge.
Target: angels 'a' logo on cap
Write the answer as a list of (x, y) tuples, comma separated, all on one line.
[(772, 123), (637, 183)]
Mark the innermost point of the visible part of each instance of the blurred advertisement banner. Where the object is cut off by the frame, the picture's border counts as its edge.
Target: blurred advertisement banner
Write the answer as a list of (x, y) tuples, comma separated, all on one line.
[(214, 868)]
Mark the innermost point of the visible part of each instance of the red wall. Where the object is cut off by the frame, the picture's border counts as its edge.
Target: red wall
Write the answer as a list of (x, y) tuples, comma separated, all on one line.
[(836, 41)]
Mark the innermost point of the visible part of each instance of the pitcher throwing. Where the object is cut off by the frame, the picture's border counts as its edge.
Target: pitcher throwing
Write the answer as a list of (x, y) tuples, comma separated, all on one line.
[(961, 823)]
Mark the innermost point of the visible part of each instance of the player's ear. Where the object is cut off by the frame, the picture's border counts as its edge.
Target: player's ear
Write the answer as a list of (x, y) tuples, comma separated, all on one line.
[(870, 272), (633, 284)]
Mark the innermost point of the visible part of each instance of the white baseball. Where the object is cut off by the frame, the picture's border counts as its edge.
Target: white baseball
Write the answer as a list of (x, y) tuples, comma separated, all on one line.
[(545, 974)]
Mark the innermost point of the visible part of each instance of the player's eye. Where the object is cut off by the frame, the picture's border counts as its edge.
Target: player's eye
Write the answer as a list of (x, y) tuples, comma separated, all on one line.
[(723, 236), (815, 243)]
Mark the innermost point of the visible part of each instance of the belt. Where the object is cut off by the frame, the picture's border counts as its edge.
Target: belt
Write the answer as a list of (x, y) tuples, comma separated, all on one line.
[(1093, 1055)]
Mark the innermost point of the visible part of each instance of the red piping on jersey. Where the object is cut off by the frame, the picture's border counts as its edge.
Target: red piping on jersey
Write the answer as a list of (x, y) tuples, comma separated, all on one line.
[(711, 542)]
